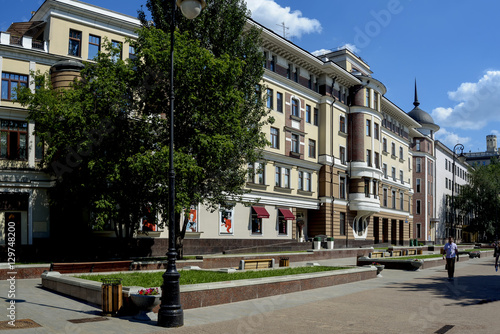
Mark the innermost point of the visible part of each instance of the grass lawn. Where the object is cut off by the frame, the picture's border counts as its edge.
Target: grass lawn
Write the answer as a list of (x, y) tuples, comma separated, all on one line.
[(150, 280)]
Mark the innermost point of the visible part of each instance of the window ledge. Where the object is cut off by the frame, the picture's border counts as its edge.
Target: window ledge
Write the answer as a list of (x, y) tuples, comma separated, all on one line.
[(343, 134), (283, 190), (257, 185), (296, 118), (295, 154), (304, 192)]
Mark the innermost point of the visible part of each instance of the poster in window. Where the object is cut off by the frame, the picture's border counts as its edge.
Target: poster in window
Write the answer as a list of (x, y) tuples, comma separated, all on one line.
[(226, 221), (192, 225)]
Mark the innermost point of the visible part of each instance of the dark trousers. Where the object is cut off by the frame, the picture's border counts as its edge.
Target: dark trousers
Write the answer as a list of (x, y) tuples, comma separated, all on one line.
[(450, 263)]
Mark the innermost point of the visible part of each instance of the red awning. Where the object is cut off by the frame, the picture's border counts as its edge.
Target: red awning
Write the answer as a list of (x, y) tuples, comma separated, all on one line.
[(287, 214), (261, 211)]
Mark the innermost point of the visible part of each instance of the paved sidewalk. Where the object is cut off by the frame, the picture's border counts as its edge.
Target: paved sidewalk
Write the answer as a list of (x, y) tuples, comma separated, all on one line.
[(399, 302)]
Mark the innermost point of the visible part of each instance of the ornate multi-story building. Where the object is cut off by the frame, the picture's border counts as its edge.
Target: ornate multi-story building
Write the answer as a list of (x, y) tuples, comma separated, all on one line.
[(343, 160)]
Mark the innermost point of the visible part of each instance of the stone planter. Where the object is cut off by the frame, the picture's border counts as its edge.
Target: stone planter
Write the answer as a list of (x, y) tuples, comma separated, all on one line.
[(417, 264), (379, 267), (145, 303)]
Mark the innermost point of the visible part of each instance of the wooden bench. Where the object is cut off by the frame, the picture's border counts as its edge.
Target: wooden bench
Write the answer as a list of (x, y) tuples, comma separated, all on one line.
[(412, 252), (257, 264), (396, 253), (376, 254), (91, 267)]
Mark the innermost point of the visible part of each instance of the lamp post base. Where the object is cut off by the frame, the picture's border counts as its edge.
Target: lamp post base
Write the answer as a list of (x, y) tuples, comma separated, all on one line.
[(171, 313)]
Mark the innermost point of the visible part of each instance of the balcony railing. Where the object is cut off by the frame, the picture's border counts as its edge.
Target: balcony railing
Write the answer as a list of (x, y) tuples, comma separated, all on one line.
[(25, 42)]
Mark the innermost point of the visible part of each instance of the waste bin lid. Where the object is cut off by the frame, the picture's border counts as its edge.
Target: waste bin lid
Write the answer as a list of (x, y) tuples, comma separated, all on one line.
[(111, 281)]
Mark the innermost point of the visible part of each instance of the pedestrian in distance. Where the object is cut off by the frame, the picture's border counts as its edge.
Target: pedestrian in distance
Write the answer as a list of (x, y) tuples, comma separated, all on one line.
[(497, 253), (451, 251)]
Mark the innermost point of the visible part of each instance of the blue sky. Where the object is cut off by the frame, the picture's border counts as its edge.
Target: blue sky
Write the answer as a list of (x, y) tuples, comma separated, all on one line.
[(449, 47)]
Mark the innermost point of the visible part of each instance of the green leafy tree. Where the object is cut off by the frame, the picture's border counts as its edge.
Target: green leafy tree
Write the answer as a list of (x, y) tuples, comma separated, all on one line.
[(219, 111), (108, 136), (480, 198)]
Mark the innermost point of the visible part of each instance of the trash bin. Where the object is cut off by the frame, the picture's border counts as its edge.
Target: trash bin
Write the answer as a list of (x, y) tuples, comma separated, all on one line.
[(411, 242), (112, 298), (284, 262), (317, 243)]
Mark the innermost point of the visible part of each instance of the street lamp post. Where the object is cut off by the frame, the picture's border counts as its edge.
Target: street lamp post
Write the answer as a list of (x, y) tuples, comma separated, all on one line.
[(461, 157), (171, 313)]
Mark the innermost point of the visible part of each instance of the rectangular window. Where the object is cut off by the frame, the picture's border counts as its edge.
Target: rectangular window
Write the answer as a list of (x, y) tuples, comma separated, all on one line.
[(385, 198), (417, 209), (369, 158), (375, 188), (289, 71), (367, 102), (310, 82), (401, 153), (393, 199), (308, 185), (308, 113), (296, 74), (256, 223), (279, 102), (269, 101), (301, 181), (377, 160), (368, 127), (119, 46), (277, 178), (75, 43), (312, 148), (419, 230), (367, 188), (418, 162), (282, 224), (295, 143), (401, 201), (275, 138), (316, 117), (286, 180), (384, 170), (13, 140), (342, 223), (417, 144), (384, 145), (131, 53), (272, 64), (39, 148), (94, 46), (376, 131), (401, 176), (342, 187), (250, 173), (394, 173), (295, 108), (260, 173), (342, 124), (265, 59), (393, 149), (342, 155), (10, 82)]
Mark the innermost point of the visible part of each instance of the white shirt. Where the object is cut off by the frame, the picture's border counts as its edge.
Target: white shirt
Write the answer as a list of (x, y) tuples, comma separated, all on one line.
[(450, 249)]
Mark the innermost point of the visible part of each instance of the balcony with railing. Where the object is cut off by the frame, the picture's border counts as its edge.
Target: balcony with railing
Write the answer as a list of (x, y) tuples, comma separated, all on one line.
[(25, 42)]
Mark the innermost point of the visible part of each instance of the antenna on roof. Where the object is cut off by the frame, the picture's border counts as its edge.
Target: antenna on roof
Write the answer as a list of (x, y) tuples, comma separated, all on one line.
[(284, 29)]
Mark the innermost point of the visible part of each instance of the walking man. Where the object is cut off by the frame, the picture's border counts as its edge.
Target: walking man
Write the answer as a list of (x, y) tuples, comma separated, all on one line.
[(497, 253), (451, 250)]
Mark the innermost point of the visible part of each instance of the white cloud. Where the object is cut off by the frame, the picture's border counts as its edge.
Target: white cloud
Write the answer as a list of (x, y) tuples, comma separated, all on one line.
[(271, 15), (321, 52), (350, 47), (478, 104), (450, 139)]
